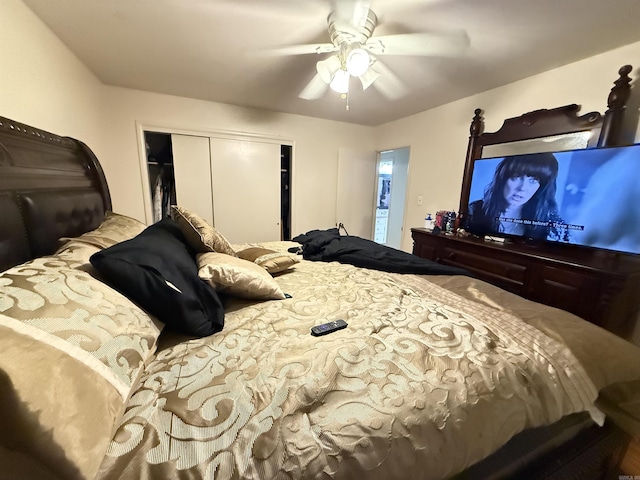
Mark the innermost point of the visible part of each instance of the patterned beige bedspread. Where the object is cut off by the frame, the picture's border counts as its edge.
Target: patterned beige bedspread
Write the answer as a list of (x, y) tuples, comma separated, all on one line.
[(421, 384)]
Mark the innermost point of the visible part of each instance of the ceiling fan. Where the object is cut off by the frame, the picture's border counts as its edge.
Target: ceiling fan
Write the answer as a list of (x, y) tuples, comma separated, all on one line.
[(354, 51)]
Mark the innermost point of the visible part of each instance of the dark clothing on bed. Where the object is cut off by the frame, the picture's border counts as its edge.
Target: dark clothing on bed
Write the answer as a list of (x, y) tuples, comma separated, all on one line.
[(329, 246)]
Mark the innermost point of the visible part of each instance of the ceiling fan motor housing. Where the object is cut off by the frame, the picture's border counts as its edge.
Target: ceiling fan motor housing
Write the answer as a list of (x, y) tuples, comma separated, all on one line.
[(344, 32)]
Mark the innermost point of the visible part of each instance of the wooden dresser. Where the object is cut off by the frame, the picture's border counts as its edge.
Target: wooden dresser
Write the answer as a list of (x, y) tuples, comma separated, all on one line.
[(600, 286)]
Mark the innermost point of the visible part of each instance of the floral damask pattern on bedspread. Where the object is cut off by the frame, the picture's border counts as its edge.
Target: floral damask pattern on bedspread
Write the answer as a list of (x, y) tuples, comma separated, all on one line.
[(71, 352), (59, 295), (419, 385)]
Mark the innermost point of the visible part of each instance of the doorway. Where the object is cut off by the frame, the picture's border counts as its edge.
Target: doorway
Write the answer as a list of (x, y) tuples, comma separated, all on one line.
[(393, 168)]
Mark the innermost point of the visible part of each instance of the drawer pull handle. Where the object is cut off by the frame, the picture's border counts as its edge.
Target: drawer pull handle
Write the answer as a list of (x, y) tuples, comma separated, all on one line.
[(452, 255)]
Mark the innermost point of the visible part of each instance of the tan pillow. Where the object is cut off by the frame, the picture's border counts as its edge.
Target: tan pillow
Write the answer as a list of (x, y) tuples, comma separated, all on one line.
[(270, 260), (237, 277), (115, 228), (200, 235), (71, 352)]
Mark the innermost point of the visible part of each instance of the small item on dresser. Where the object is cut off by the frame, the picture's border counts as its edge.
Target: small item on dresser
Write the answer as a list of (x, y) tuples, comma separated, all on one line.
[(428, 222), (438, 220), (447, 221), (326, 328), (457, 223), (489, 238)]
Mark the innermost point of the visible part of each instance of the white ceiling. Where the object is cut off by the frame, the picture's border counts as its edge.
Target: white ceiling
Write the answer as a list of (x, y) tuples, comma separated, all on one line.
[(207, 49)]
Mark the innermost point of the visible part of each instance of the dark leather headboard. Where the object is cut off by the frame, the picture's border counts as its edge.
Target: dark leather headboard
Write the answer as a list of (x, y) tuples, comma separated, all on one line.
[(50, 187)]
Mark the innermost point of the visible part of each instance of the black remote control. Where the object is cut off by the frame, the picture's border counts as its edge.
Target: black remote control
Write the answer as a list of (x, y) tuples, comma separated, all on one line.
[(325, 328)]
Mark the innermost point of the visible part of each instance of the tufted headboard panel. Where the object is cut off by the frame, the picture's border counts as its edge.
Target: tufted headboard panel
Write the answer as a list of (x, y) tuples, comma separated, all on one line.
[(50, 187)]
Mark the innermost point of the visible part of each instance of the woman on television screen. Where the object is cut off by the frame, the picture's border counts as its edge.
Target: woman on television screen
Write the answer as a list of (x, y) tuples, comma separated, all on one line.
[(520, 200)]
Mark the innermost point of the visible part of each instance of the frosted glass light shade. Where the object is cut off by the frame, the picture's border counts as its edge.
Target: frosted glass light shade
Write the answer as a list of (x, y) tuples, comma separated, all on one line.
[(358, 62), (340, 81), (327, 68)]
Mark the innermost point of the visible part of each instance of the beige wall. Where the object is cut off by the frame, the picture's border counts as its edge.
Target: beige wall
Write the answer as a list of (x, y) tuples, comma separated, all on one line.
[(42, 83), (438, 137), (316, 144)]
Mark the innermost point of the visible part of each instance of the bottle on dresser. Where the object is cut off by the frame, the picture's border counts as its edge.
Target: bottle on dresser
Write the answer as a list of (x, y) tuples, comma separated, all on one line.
[(428, 222)]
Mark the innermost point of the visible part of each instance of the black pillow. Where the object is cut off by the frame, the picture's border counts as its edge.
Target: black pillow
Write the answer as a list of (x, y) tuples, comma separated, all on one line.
[(157, 270)]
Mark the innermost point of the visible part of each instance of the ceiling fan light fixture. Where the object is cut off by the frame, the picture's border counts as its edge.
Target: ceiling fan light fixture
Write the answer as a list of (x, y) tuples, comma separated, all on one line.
[(327, 68), (358, 62), (340, 81)]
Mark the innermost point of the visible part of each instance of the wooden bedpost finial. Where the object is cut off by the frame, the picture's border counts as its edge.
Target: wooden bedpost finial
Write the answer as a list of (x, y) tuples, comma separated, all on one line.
[(476, 123), (615, 108), (620, 92), (625, 70)]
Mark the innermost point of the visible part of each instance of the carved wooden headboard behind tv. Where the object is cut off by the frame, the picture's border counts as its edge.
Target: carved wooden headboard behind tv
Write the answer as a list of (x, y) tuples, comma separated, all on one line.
[(597, 129)]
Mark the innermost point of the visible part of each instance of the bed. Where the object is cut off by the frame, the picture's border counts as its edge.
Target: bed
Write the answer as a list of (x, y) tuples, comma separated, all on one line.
[(435, 376)]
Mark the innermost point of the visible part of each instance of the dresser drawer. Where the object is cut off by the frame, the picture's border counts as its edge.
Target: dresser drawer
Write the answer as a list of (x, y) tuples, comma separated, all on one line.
[(487, 267), (570, 289)]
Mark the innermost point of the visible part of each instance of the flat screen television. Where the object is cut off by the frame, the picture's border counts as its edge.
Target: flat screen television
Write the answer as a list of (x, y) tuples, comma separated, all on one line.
[(588, 198)]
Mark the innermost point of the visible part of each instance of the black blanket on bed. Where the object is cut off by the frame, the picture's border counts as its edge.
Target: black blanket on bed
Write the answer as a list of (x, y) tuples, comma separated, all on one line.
[(329, 246)]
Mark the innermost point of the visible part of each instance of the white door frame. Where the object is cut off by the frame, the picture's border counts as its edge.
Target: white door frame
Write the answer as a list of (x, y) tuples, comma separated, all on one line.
[(150, 126)]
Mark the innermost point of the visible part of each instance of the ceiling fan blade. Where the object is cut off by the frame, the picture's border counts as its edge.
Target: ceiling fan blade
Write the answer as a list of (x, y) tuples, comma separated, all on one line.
[(368, 77), (448, 44), (388, 83), (315, 89), (304, 49)]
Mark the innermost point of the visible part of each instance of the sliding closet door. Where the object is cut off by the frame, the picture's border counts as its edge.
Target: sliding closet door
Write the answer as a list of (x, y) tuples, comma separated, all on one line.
[(192, 171), (246, 189)]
